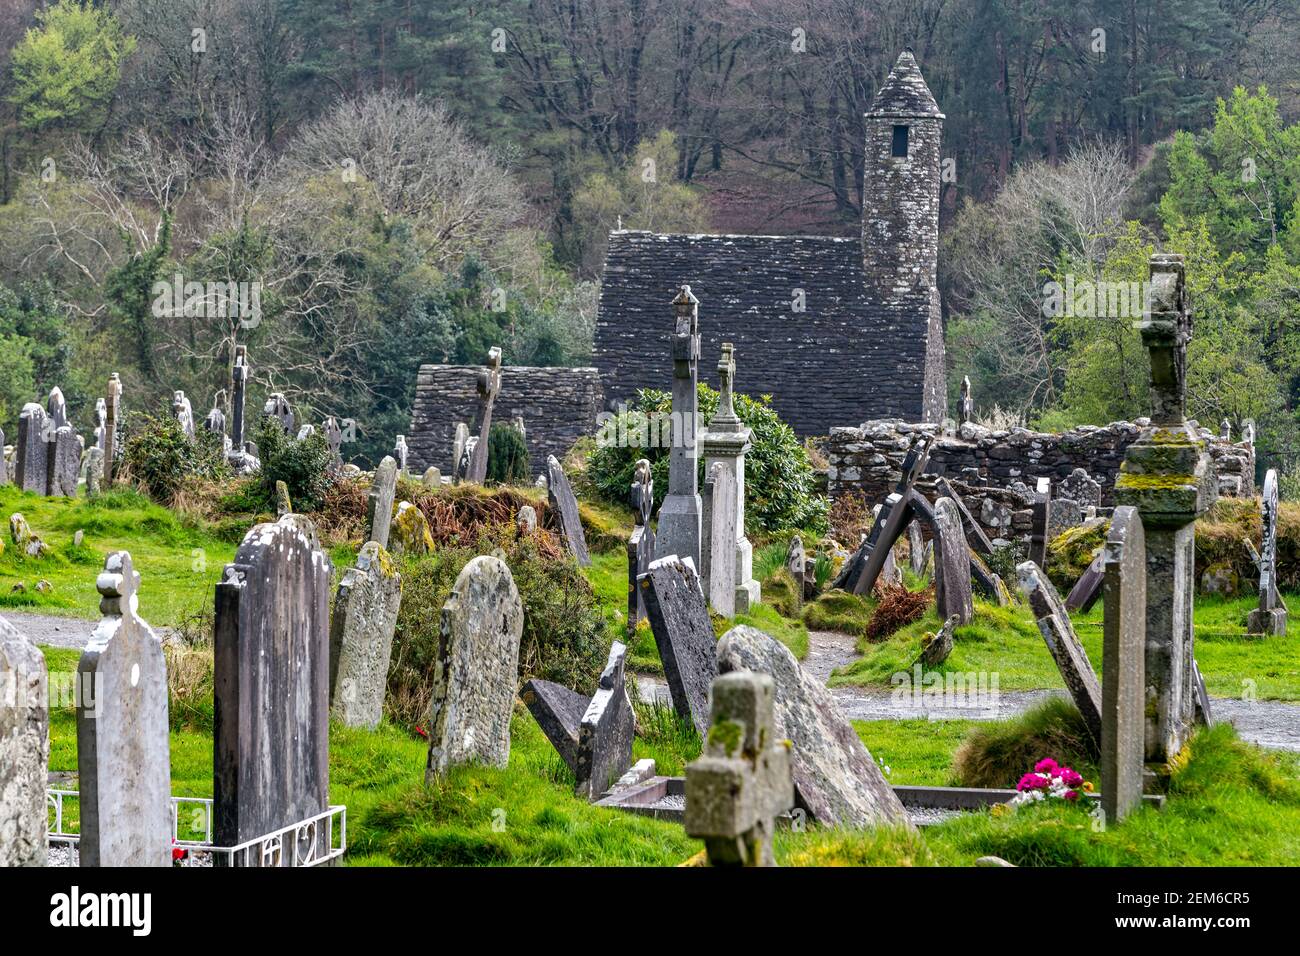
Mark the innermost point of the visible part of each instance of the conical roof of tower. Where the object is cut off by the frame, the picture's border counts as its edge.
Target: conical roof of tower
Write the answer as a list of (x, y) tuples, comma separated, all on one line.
[(905, 92)]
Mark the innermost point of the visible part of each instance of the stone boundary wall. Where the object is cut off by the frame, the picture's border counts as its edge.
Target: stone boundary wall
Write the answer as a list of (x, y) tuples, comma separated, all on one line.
[(558, 406), (984, 465)]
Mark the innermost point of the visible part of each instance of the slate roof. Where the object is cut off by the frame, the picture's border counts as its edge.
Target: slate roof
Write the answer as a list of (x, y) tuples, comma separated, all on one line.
[(846, 359), (905, 92)]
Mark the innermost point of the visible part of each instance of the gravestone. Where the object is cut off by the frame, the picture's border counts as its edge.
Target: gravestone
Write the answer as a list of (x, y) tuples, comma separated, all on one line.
[(1081, 487), (216, 422), (559, 712), (489, 385), (952, 564), (680, 525), (1088, 588), (936, 647), (283, 505), (1270, 616), (459, 461), (410, 531), (94, 471), (1063, 643), (859, 573), (743, 780), (1167, 476), (334, 439), (605, 735), (835, 778), (183, 412), (379, 501), (722, 542), (641, 543), (1040, 531), (361, 637), (1123, 665), (277, 407), (271, 651), (101, 420), (123, 736), (24, 749), (306, 431), (400, 455), (967, 407), (706, 525), (988, 582), (56, 408), (974, 532), (890, 572), (476, 671), (796, 563), (31, 472), (113, 404), (916, 548), (239, 373), (62, 462), (4, 460), (432, 479), (526, 520), (683, 632), (565, 504)]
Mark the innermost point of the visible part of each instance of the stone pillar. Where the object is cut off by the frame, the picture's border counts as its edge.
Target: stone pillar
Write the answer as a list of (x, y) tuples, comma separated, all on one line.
[(114, 398), (239, 394), (679, 515), (1167, 477), (726, 442)]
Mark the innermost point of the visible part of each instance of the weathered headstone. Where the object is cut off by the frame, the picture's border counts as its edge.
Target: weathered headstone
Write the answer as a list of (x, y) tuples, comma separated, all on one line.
[(400, 454), (526, 520), (24, 749), (835, 778), (101, 420), (489, 385), (680, 526), (974, 532), (1063, 643), (432, 479), (641, 543), (123, 736), (306, 431), (1088, 588), (796, 563), (986, 581), (1081, 487), (605, 735), (277, 407), (410, 531), (916, 548), (476, 670), (271, 651), (113, 403), (565, 504), (680, 621), (239, 373), (379, 501), (283, 504), (32, 467), (558, 712), (334, 439), (459, 461), (967, 406), (1270, 616), (184, 412), (1123, 665), (952, 564), (743, 780), (722, 542), (361, 637), (1040, 531), (936, 647), (858, 576), (62, 461)]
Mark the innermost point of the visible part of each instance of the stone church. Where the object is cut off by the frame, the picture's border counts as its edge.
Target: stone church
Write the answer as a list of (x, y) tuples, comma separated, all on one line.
[(836, 331)]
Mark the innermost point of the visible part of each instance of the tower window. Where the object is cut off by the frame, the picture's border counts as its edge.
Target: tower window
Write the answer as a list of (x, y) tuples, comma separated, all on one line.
[(900, 141)]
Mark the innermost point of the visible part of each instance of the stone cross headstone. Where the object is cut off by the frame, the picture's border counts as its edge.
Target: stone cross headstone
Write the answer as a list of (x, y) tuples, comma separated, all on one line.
[(835, 777), (641, 543), (24, 749), (967, 412), (1063, 643), (605, 735), (565, 504), (184, 412), (952, 564), (361, 637), (477, 669), (113, 403), (489, 385), (31, 471), (278, 408), (742, 781), (1167, 476), (1270, 616), (796, 564), (334, 439), (400, 455), (271, 650), (123, 735), (558, 712), (680, 526), (239, 373), (57, 408), (1123, 666), (683, 632), (379, 501)]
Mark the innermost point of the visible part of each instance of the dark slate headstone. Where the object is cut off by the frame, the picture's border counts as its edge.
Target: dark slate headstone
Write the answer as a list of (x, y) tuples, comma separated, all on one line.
[(24, 749), (605, 736), (63, 462), (123, 736), (858, 576), (952, 564), (1064, 645), (684, 634), (565, 504), (558, 711), (1087, 589), (271, 651), (1123, 665), (31, 467)]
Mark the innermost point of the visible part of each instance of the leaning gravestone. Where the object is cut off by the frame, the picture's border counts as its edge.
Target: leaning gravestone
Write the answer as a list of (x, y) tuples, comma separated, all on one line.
[(123, 737), (379, 502), (979, 541), (1064, 645), (24, 749), (559, 712), (952, 564), (605, 735), (272, 660), (476, 670), (565, 504), (361, 637), (916, 548), (1123, 666), (1270, 616), (835, 778), (31, 472), (683, 633), (641, 543)]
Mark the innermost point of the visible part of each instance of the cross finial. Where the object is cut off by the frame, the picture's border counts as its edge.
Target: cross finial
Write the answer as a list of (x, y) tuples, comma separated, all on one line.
[(726, 379), (686, 332), (117, 584)]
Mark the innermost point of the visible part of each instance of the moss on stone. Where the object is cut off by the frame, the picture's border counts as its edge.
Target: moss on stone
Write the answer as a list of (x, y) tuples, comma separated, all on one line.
[(726, 734), (1157, 482)]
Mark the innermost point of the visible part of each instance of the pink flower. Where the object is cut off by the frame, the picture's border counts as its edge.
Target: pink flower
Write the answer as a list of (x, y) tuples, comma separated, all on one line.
[(1046, 765), (1071, 778), (1072, 794), (1033, 781)]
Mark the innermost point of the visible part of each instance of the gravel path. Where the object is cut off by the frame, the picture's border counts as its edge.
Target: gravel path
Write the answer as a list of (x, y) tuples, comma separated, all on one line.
[(1269, 723), (50, 631)]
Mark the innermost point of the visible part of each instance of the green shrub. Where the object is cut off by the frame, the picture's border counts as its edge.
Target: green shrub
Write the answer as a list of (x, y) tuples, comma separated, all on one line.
[(507, 456), (563, 638), (998, 753), (160, 456), (779, 479), (304, 466)]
